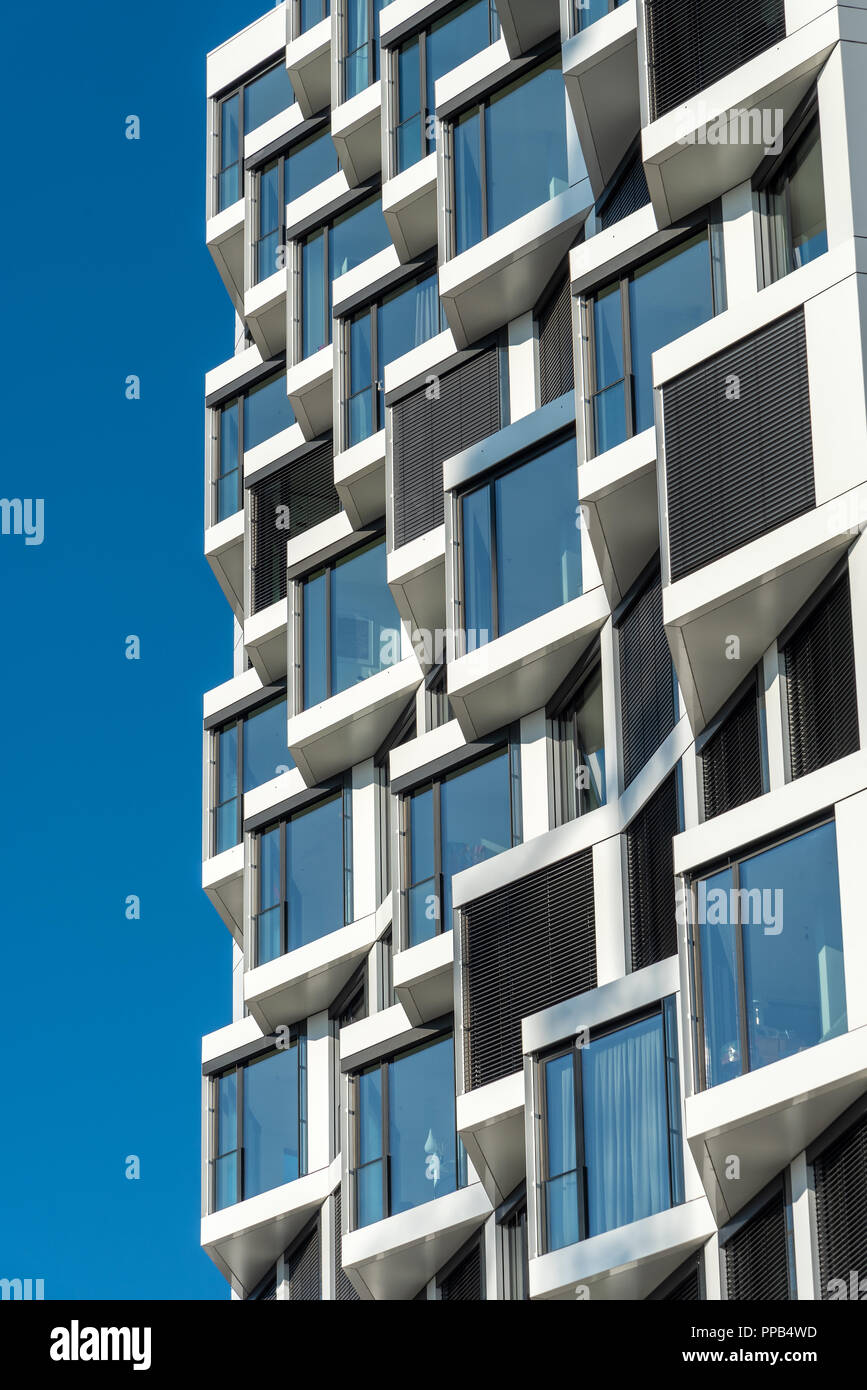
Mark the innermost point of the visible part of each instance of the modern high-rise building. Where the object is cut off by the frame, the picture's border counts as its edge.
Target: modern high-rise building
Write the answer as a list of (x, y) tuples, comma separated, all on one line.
[(536, 804)]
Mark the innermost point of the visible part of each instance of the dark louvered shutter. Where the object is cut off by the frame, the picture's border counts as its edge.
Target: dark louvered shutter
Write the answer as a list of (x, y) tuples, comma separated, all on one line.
[(650, 869), (693, 43), (757, 1256), (556, 370), (628, 193), (738, 468), (731, 760), (464, 1283), (303, 1270), (646, 680), (526, 946), (425, 432), (344, 1289), (820, 682), (306, 487), (687, 1291), (841, 1209)]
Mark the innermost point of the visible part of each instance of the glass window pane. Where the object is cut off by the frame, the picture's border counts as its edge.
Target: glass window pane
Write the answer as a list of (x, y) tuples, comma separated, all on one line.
[(229, 456), (230, 164), (421, 836), (315, 639), (717, 938), (423, 911), (408, 79), (309, 164), (269, 199), (452, 40), (265, 748), (312, 12), (421, 1116), (270, 887), (609, 417), (667, 298), (560, 1116), (314, 881), (227, 825), (608, 337), (369, 1194), (315, 317), (468, 182), (561, 1211), (360, 361), (408, 141), (525, 146), (269, 935), (590, 750), (538, 541), (793, 946), (227, 1112), (407, 319), (267, 96), (476, 820), (365, 626), (807, 201), (370, 1115), (625, 1126), (227, 761), (227, 495), (478, 569), (357, 236), (271, 1116), (266, 412), (227, 1181)]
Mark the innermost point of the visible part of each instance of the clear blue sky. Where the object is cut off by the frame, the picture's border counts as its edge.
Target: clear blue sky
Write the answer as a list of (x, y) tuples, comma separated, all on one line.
[(105, 273)]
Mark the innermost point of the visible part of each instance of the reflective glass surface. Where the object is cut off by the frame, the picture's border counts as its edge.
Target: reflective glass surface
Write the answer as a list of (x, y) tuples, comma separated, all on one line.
[(265, 749), (476, 820), (525, 146), (422, 1139), (266, 412), (267, 96), (309, 164), (271, 1116), (667, 298), (365, 626), (314, 879)]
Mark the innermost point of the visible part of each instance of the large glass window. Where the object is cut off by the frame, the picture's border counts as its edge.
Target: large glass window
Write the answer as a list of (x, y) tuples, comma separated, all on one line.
[(588, 11), (241, 424), (351, 627), (769, 945), (612, 1151), (361, 45), (249, 751), (460, 820), (280, 182), (266, 411), (260, 1122), (509, 155), (631, 319), (269, 220), (521, 544), (256, 102), (579, 745), (425, 58), (405, 1149), (379, 334), (304, 877), (332, 251), (309, 164), (796, 231), (312, 12)]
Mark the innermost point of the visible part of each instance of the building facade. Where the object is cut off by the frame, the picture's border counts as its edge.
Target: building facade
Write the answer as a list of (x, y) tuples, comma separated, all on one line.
[(536, 804)]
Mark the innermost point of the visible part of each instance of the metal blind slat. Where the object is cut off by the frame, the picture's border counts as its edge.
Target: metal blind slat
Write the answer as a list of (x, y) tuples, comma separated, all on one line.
[(650, 870), (556, 369), (693, 43), (303, 1270), (428, 428), (820, 678), (646, 681), (738, 468), (841, 1208), (731, 761), (306, 487), (756, 1258), (525, 947), (345, 1290), (464, 1284)]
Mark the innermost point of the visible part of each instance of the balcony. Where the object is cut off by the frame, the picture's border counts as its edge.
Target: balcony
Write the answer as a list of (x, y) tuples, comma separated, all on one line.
[(491, 1124), (779, 1107), (359, 476), (504, 275), (225, 236), (309, 386), (265, 641), (600, 70), (265, 313), (309, 979), (356, 132), (409, 206), (745, 542), (627, 1263), (349, 727), (706, 137), (308, 60), (525, 23), (424, 979)]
